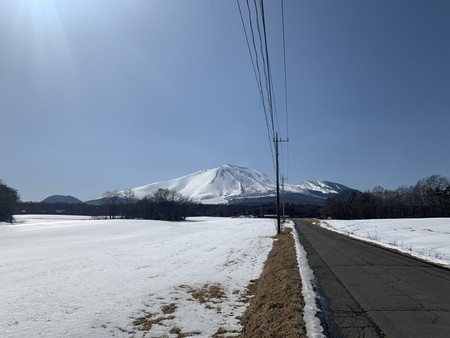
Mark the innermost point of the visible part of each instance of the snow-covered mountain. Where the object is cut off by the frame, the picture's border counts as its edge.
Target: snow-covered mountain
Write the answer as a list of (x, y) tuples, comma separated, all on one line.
[(232, 184)]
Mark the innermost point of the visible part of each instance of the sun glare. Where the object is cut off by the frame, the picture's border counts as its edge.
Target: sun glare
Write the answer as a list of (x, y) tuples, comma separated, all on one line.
[(39, 7), (44, 38), (43, 3)]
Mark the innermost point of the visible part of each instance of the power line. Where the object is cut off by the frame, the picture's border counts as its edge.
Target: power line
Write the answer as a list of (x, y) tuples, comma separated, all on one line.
[(259, 54), (285, 72), (269, 109), (258, 73), (285, 82), (267, 71), (256, 68)]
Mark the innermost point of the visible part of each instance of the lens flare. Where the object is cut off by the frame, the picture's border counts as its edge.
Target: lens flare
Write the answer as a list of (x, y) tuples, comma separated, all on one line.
[(42, 44)]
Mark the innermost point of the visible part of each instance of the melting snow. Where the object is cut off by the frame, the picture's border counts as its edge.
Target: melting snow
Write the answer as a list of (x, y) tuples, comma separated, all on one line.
[(73, 276), (312, 322)]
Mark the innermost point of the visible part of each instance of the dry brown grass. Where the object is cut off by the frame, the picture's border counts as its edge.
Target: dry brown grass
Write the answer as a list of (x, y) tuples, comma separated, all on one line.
[(275, 309), (223, 333), (275, 299), (180, 334), (169, 309), (147, 320), (209, 293)]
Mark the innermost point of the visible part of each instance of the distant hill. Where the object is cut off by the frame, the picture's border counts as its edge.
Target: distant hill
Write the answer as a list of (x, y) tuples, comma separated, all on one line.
[(62, 199), (231, 184)]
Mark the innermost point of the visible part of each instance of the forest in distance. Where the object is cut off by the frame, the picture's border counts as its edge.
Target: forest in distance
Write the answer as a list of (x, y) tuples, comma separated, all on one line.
[(429, 197)]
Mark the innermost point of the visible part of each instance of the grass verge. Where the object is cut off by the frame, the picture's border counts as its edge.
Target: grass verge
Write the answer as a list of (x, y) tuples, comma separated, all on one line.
[(276, 304)]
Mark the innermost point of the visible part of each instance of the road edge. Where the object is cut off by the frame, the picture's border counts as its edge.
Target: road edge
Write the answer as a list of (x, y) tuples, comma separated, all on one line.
[(312, 322)]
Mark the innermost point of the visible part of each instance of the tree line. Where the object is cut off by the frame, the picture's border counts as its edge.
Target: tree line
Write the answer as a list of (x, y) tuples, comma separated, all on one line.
[(163, 204), (9, 199), (429, 197)]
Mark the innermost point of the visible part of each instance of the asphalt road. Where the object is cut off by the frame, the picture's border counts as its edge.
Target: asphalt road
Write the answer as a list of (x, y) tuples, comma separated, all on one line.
[(367, 291)]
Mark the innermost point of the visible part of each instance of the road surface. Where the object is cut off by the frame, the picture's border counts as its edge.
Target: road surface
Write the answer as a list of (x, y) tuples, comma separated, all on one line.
[(367, 291)]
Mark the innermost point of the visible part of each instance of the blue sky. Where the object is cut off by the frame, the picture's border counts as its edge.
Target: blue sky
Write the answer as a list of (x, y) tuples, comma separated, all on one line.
[(97, 95)]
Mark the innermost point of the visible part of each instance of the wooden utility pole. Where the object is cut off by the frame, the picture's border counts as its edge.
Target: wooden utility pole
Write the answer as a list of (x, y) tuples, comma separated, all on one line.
[(282, 198), (277, 142), (278, 184)]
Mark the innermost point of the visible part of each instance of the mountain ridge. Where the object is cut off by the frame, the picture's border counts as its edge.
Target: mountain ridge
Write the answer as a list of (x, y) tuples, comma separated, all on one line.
[(68, 199), (233, 184), (227, 184)]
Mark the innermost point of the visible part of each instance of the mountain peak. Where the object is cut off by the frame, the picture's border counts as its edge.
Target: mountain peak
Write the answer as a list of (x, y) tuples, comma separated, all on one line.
[(215, 186), (230, 183)]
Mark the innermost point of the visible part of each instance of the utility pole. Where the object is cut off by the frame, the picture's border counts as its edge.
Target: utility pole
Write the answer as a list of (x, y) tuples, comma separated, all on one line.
[(282, 197), (278, 184), (277, 141)]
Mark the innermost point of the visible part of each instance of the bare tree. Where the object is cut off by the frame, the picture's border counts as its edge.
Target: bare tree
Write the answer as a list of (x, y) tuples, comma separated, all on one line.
[(436, 187), (430, 197), (164, 204), (112, 202), (129, 198)]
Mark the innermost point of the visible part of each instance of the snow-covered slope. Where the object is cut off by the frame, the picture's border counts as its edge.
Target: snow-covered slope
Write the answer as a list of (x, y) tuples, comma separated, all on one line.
[(317, 188), (230, 183), (216, 185)]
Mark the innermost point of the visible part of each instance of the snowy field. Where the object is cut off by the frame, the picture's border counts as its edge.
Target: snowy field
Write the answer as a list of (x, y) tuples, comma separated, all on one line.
[(424, 238), (77, 277)]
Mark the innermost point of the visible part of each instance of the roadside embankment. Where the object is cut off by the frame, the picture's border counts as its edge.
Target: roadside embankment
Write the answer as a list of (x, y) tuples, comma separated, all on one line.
[(276, 304)]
